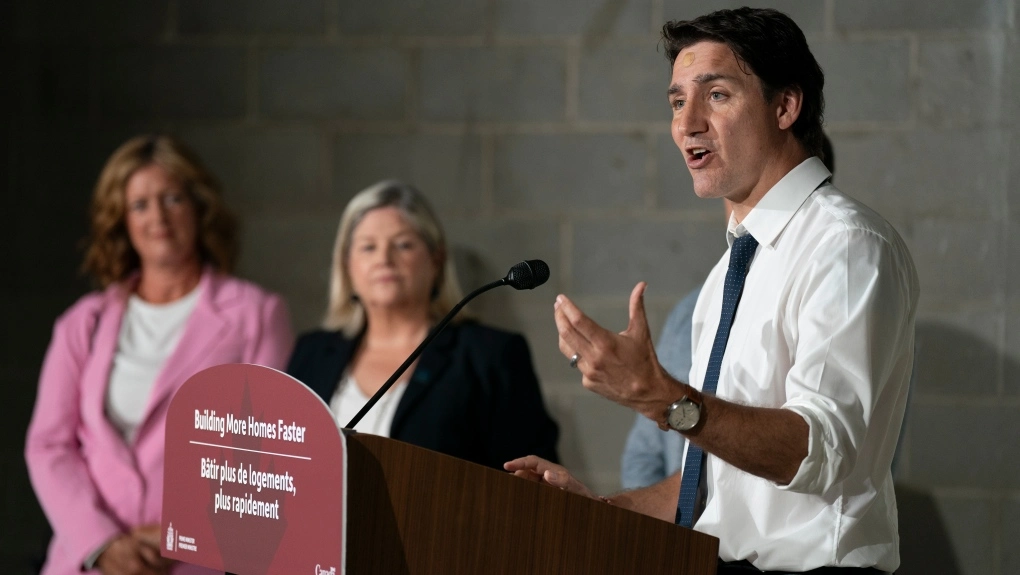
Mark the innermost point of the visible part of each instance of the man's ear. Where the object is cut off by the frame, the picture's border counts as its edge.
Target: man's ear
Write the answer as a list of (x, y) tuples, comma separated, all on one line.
[(787, 105)]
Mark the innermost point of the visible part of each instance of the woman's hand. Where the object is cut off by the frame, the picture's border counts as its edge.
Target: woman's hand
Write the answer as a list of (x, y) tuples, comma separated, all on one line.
[(542, 471), (135, 553), (150, 534)]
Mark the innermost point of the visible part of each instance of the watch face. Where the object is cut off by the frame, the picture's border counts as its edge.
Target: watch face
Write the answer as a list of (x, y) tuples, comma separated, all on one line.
[(684, 415)]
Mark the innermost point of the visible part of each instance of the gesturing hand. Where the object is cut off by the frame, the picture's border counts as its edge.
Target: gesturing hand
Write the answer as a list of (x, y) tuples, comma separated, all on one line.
[(537, 469), (621, 367)]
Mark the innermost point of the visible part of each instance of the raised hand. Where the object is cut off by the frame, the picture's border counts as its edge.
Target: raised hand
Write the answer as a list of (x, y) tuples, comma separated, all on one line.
[(621, 367)]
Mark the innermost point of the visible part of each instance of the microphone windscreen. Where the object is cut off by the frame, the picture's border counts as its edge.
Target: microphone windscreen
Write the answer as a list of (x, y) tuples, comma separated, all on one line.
[(528, 274)]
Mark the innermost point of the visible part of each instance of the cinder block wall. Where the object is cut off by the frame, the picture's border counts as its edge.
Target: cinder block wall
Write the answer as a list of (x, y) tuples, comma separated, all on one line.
[(540, 130)]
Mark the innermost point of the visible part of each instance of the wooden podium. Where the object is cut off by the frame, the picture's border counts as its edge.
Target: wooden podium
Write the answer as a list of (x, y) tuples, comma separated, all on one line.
[(411, 511), (259, 480)]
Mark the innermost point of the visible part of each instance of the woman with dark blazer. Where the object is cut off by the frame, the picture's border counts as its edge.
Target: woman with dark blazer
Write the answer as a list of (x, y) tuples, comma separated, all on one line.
[(472, 394)]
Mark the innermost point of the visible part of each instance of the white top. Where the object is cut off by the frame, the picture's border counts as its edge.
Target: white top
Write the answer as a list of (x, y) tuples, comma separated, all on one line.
[(348, 400), (825, 328), (148, 335)]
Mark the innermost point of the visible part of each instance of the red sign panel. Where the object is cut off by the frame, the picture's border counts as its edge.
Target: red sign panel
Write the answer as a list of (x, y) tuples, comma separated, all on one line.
[(255, 475)]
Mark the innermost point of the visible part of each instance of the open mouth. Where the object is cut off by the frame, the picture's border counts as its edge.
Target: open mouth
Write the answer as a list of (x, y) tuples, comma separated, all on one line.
[(697, 156)]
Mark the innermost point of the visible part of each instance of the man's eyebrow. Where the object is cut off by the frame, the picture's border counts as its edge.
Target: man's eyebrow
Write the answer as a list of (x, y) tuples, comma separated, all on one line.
[(711, 77), (700, 79)]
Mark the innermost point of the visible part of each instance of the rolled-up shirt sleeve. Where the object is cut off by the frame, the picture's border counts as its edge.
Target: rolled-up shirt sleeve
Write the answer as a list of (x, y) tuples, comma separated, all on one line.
[(848, 316)]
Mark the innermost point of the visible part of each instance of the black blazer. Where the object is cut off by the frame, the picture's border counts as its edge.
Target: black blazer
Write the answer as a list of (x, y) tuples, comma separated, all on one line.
[(473, 395)]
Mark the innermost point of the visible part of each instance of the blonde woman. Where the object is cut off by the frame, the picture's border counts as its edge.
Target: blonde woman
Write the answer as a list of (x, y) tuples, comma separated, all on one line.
[(472, 394), (162, 246)]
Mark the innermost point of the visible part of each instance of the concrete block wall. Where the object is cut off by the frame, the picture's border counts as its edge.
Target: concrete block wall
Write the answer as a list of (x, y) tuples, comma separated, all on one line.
[(539, 130)]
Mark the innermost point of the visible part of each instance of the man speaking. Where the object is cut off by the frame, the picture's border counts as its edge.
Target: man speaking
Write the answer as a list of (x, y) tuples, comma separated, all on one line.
[(802, 336)]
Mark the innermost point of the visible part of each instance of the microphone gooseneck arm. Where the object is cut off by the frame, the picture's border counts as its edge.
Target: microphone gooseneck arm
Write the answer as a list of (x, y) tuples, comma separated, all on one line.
[(421, 347)]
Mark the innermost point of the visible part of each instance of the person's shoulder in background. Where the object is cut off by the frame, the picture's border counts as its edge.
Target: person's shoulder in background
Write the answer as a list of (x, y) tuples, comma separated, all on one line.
[(260, 317), (674, 346), (228, 288)]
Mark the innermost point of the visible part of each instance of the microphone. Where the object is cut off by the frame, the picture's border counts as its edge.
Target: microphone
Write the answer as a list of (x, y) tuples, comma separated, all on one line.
[(528, 274)]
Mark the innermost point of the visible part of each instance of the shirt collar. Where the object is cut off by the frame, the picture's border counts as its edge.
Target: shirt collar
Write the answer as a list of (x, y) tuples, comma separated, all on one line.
[(768, 219)]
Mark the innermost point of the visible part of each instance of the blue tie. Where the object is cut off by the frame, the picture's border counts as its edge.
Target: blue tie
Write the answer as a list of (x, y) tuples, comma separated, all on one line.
[(690, 494)]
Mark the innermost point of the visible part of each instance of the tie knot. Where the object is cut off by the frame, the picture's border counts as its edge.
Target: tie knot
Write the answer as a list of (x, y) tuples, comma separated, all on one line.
[(742, 250)]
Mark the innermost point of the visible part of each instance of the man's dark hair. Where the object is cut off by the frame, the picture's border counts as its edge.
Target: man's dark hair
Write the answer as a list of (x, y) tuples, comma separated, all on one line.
[(772, 45)]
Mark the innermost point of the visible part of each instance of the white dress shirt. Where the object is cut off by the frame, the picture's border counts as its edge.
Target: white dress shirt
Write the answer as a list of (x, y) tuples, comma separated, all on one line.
[(824, 328)]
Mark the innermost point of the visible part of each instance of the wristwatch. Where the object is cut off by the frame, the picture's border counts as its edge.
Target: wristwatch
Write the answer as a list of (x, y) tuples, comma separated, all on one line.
[(684, 413)]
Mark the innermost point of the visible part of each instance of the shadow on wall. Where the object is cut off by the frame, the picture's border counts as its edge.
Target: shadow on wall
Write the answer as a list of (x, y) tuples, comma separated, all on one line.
[(925, 546), (946, 355)]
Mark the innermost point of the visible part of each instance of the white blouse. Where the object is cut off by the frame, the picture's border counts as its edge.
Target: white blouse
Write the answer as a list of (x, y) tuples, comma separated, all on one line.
[(348, 400), (148, 335)]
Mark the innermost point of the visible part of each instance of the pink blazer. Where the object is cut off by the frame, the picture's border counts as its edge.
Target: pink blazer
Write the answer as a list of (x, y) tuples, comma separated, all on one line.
[(90, 482)]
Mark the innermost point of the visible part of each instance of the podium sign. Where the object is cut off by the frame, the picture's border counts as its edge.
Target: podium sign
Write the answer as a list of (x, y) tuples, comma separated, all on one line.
[(255, 475)]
